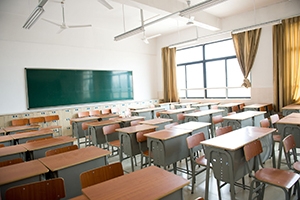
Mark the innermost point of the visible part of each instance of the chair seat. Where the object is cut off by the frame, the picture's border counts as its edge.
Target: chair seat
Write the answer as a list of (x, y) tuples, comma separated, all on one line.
[(201, 161), (296, 166), (284, 179), (115, 143), (277, 138)]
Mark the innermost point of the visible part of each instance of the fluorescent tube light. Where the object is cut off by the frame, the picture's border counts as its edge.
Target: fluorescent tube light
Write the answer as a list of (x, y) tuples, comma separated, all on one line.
[(129, 33), (184, 43), (37, 12), (199, 6), (248, 28)]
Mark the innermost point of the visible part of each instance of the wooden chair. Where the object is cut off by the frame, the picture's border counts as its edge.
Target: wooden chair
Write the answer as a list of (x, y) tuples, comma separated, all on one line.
[(20, 122), (235, 109), (52, 122), (61, 150), (290, 152), (167, 126), (87, 137), (83, 114), (101, 174), (52, 189), (11, 162), (267, 176), (112, 138), (38, 139), (2, 145), (241, 107), (37, 121), (106, 111), (180, 118), (217, 122), (142, 141), (231, 113), (223, 130), (265, 123), (94, 113), (136, 122), (194, 146)]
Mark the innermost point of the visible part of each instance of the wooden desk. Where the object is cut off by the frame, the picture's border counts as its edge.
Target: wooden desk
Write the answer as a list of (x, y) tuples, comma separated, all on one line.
[(204, 106), (21, 173), (289, 124), (226, 154), (204, 116), (96, 132), (158, 122), (2, 132), (166, 106), (242, 119), (71, 164), (228, 107), (138, 107), (38, 149), (292, 108), (148, 183), (168, 146), (14, 129), (184, 104), (7, 140), (129, 145), (125, 121), (195, 127), (172, 114), (257, 106), (148, 113), (11, 152), (23, 137)]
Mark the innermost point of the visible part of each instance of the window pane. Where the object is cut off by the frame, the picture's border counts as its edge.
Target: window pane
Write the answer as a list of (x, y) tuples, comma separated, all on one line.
[(219, 49), (195, 80), (189, 55), (234, 74), (180, 75), (215, 75)]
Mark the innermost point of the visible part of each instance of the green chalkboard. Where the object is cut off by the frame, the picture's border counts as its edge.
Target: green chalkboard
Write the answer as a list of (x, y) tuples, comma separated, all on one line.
[(58, 87)]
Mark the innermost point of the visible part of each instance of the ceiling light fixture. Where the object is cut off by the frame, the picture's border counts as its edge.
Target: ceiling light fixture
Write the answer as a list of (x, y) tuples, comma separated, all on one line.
[(37, 12), (199, 6), (129, 33)]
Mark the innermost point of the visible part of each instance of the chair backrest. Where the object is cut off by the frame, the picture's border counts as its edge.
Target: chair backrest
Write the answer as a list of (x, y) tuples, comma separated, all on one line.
[(20, 122), (52, 189), (109, 129), (94, 113), (289, 145), (84, 126), (11, 162), (194, 140), (171, 125), (217, 119), (39, 139), (263, 108), (101, 174), (231, 113), (180, 118), (157, 114), (83, 114), (274, 118), (37, 120), (2, 145), (252, 149), (241, 106), (136, 122), (61, 150), (106, 111), (235, 109), (265, 123), (140, 135), (223, 130), (52, 118)]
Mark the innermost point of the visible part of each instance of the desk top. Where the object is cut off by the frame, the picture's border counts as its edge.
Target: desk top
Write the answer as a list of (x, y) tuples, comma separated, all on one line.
[(205, 104), (180, 110), (156, 121), (74, 157), (128, 119), (293, 118), (21, 171), (257, 105), (148, 109), (31, 134), (19, 128), (238, 138), (292, 107), (166, 134), (203, 113), (226, 105), (244, 115), (135, 129), (103, 123), (41, 144), (9, 150), (192, 125), (5, 138), (138, 107), (186, 103), (148, 183), (83, 119)]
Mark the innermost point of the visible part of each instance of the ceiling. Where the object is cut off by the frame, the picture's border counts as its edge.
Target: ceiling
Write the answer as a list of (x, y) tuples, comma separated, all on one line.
[(126, 14)]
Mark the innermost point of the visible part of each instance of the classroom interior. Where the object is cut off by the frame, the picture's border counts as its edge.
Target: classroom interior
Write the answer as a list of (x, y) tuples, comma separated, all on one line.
[(94, 48)]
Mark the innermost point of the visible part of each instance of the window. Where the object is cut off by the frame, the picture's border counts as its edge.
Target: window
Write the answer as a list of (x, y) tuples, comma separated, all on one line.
[(210, 71)]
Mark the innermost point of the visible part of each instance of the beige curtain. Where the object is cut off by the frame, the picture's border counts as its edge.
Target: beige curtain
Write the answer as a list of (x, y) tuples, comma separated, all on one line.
[(169, 73), (246, 44), (286, 62)]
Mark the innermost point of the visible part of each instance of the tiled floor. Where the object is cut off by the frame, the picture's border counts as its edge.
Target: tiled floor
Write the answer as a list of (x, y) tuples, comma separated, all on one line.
[(199, 191)]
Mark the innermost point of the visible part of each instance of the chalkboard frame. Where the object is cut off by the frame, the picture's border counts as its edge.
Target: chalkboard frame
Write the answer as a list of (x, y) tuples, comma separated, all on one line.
[(66, 87)]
